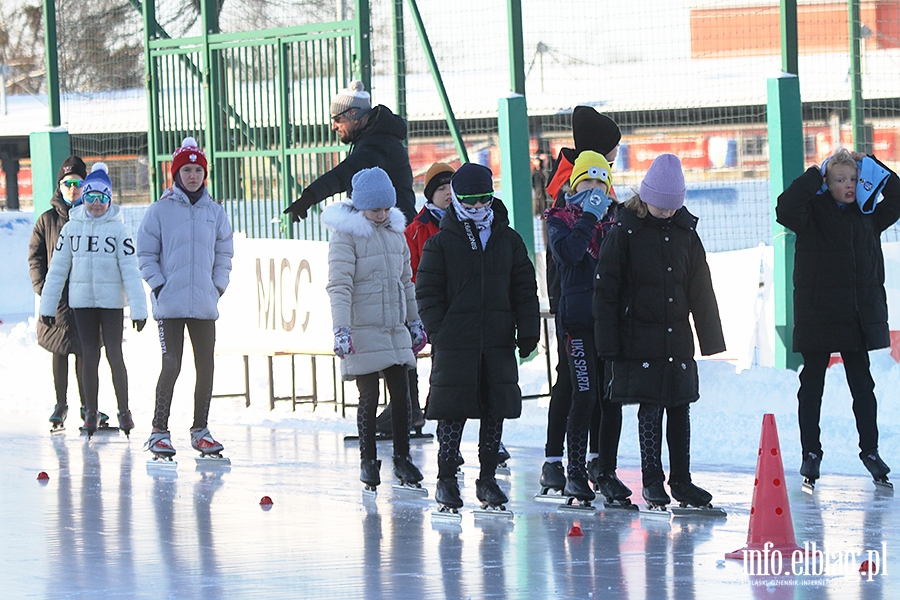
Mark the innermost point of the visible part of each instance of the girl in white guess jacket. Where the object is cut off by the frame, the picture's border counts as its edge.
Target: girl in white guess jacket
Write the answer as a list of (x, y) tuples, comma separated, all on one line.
[(96, 253), (377, 330)]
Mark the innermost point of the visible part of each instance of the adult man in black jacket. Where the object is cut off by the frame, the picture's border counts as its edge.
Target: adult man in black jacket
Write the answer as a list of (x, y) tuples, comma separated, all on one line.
[(376, 139)]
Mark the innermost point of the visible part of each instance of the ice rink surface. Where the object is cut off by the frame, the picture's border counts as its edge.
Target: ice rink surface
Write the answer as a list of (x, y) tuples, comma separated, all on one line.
[(106, 526)]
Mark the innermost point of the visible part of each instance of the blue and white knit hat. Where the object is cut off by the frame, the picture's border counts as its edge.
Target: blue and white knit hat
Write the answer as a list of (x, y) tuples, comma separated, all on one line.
[(98, 181), (372, 189)]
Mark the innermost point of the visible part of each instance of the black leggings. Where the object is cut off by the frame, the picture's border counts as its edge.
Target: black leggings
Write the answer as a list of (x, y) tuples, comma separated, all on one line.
[(862, 389), (585, 412), (678, 438), (397, 382), (95, 324), (449, 434), (171, 341), (61, 378)]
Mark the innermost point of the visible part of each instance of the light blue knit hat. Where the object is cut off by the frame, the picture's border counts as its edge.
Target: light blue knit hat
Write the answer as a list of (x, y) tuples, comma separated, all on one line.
[(372, 188)]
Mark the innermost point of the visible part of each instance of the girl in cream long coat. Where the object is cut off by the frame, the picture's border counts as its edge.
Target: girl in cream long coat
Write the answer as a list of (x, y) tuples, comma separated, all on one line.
[(373, 308)]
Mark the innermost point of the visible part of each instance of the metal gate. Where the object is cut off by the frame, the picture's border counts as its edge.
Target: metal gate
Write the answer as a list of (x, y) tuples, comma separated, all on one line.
[(258, 104)]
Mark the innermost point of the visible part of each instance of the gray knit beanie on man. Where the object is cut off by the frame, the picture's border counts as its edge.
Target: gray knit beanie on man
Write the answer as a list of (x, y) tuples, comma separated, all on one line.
[(354, 96), (372, 189)]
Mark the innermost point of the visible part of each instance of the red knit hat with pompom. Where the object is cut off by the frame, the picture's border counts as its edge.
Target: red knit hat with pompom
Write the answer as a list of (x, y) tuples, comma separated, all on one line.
[(189, 153)]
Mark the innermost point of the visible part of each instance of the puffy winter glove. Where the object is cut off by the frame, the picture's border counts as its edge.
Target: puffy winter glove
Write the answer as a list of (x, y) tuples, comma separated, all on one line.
[(343, 343), (48, 320), (138, 324), (419, 337), (527, 345), (298, 210), (596, 203)]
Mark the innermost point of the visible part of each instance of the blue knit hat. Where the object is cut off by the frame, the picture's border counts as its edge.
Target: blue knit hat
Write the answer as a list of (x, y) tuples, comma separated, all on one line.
[(372, 189), (97, 181)]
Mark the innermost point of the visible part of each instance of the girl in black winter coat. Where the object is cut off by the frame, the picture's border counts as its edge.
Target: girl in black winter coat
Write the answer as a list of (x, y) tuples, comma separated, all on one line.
[(652, 275), (840, 303), (61, 338), (477, 296), (575, 233)]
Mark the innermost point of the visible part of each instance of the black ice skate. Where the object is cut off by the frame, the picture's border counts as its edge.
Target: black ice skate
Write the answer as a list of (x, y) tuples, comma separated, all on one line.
[(409, 476), (492, 499), (553, 480), (579, 493), (91, 422), (693, 500), (877, 468), (104, 418), (370, 474), (449, 501), (210, 450), (126, 423), (160, 445), (810, 470), (58, 418), (502, 457), (657, 499), (615, 492)]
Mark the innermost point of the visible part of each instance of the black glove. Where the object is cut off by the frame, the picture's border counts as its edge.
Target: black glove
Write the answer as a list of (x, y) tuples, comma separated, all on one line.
[(298, 210), (527, 346), (157, 290), (138, 324), (48, 320)]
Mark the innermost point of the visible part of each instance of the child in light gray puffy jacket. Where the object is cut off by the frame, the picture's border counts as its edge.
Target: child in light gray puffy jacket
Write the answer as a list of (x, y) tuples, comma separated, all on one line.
[(377, 330)]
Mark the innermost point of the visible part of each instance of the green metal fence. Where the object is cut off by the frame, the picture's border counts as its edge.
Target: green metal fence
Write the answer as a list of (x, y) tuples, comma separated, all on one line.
[(258, 104)]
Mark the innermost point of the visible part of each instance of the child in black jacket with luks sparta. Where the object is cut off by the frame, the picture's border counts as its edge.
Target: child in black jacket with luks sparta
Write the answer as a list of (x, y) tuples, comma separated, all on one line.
[(651, 277), (839, 298)]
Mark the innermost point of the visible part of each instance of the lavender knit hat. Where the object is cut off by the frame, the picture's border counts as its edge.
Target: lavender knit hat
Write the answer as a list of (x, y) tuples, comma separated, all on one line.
[(663, 186)]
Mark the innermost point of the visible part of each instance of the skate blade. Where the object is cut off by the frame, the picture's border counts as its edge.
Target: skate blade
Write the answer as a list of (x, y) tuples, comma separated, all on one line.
[(655, 513), (410, 490), (809, 486), (212, 459), (369, 493), (551, 496), (581, 508), (491, 512), (446, 516), (883, 484), (57, 430), (711, 512), (502, 469), (626, 506)]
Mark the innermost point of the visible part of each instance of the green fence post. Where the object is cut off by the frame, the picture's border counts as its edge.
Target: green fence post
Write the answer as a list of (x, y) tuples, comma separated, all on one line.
[(784, 114), (786, 164), (515, 166), (48, 151)]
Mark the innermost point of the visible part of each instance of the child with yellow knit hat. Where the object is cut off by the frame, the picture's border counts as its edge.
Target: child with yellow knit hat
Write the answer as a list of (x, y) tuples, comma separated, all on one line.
[(575, 232)]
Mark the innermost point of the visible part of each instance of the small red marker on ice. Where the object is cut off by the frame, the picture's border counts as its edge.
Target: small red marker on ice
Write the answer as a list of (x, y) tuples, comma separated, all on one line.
[(42, 476), (266, 503), (868, 567), (575, 531)]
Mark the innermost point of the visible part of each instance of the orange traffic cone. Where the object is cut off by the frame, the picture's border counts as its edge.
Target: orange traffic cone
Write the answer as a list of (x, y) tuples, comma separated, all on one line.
[(771, 528)]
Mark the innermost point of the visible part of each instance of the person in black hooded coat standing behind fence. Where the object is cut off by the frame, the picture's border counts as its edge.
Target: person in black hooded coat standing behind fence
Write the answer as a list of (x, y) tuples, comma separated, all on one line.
[(477, 296)]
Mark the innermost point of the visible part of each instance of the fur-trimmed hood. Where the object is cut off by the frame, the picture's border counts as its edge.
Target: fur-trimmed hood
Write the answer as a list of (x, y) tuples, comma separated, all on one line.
[(344, 218)]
